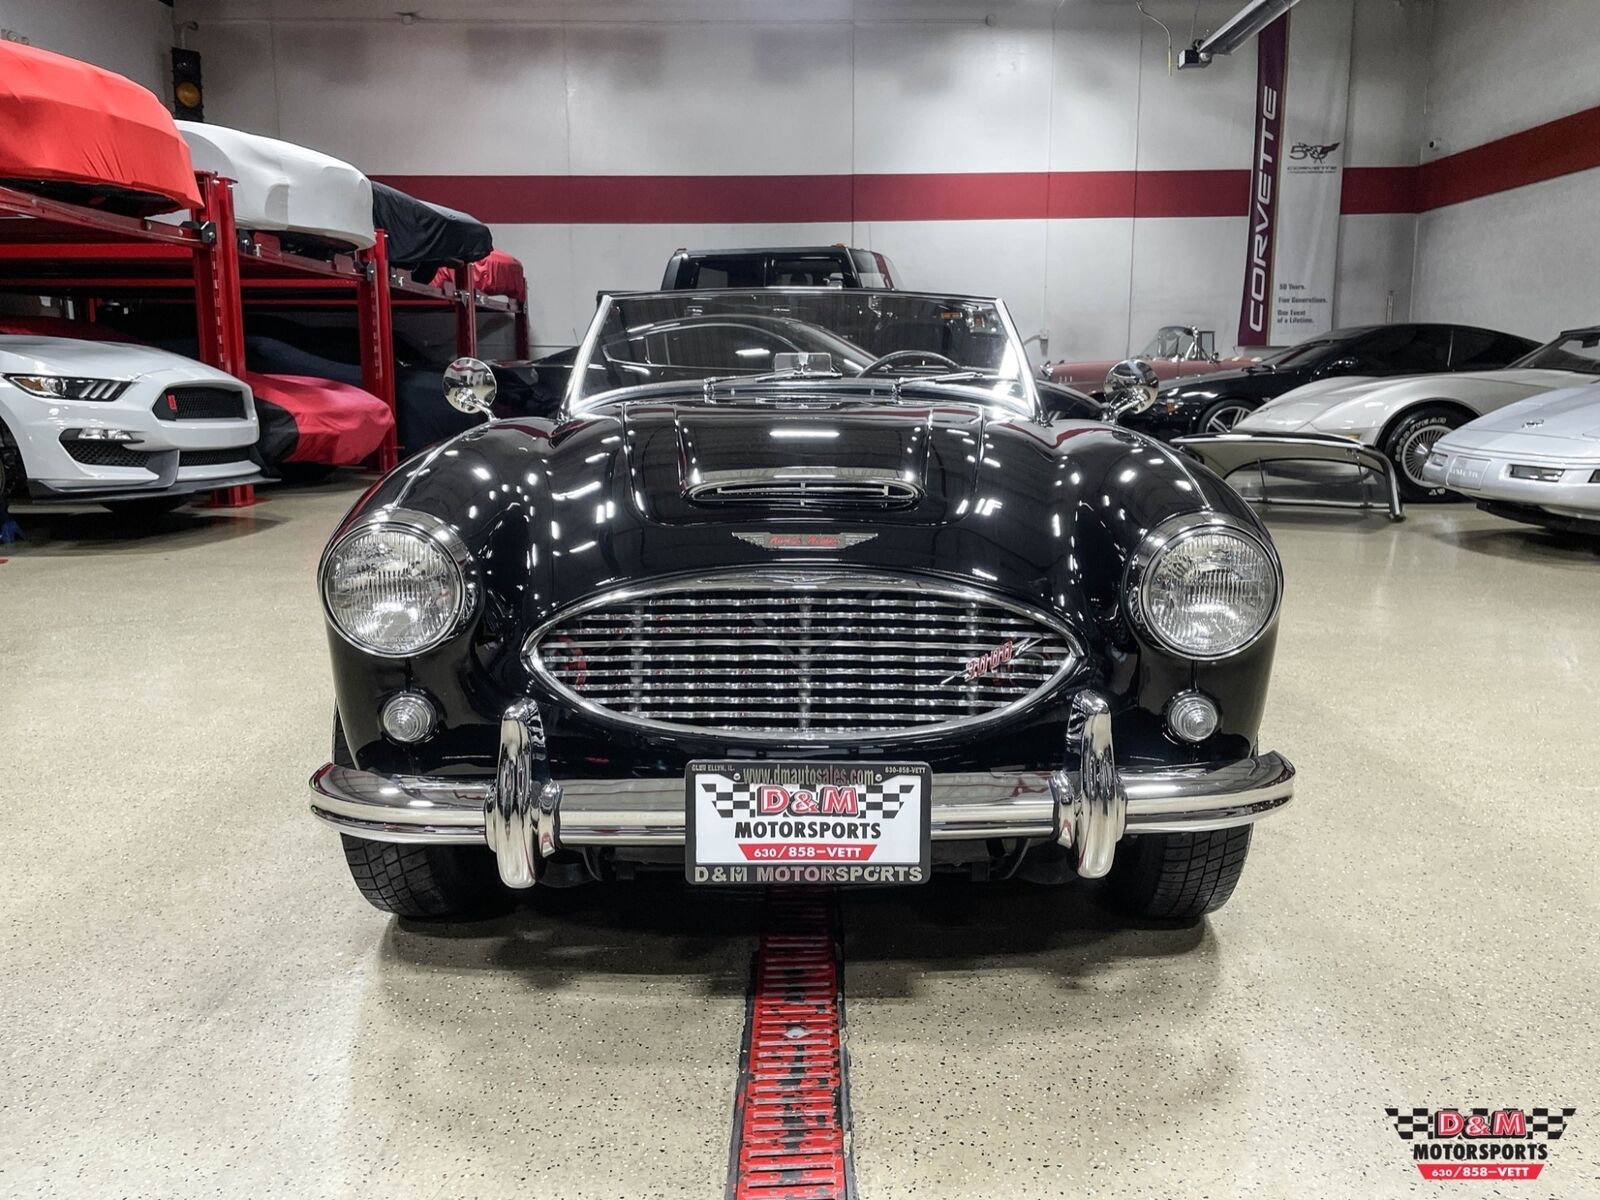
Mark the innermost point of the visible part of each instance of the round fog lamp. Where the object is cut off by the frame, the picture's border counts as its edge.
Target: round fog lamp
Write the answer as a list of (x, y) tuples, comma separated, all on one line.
[(1192, 717), (408, 717)]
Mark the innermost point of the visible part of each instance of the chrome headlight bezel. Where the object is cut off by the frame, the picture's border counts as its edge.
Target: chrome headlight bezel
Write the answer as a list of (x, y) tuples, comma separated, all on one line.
[(1173, 532), (439, 535)]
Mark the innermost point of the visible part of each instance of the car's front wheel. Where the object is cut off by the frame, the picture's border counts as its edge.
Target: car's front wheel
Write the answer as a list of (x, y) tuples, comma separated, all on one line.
[(434, 883), (1408, 445), (1224, 415), (1178, 876)]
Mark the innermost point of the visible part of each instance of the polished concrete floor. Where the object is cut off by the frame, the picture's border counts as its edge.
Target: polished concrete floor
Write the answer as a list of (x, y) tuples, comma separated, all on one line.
[(197, 1003)]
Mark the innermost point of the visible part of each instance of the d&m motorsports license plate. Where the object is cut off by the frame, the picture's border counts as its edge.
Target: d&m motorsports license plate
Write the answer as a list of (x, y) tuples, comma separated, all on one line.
[(807, 822)]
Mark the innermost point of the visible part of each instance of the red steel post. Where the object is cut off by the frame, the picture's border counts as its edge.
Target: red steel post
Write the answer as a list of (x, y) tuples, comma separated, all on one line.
[(219, 301), (376, 324), (466, 313)]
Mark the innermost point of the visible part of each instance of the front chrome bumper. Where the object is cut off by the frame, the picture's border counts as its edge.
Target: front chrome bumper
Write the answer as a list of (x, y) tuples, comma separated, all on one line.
[(524, 816)]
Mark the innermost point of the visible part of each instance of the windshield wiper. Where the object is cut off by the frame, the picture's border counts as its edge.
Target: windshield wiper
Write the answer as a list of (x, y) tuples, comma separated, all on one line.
[(968, 376), (715, 383)]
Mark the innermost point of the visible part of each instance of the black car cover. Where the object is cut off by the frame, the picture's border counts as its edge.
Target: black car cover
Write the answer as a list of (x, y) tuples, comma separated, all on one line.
[(424, 237)]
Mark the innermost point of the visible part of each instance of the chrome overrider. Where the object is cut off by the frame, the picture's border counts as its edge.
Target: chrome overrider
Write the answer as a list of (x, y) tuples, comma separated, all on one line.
[(525, 817)]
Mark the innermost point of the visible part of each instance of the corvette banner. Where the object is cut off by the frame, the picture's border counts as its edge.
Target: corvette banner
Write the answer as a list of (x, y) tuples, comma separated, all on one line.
[(1296, 174)]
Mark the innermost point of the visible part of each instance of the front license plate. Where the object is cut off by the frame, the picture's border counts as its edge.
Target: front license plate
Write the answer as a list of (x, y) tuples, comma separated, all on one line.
[(807, 822)]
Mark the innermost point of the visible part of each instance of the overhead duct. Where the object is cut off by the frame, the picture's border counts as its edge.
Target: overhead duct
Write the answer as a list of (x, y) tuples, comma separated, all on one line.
[(1235, 31)]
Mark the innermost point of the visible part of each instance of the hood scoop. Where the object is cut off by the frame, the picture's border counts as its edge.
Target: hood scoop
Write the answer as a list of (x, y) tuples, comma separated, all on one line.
[(818, 486), (693, 463)]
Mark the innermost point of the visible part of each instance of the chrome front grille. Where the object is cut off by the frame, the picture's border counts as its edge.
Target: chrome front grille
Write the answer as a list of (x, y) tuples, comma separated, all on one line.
[(813, 656)]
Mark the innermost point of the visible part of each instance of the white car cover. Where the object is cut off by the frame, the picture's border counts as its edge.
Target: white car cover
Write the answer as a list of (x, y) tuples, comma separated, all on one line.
[(284, 188)]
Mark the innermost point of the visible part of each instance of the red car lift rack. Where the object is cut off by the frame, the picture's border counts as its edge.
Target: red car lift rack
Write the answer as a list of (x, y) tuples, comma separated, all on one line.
[(48, 247)]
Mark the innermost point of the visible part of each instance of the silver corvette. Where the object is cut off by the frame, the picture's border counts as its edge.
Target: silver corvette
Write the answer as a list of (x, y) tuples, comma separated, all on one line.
[(1406, 417), (1536, 461)]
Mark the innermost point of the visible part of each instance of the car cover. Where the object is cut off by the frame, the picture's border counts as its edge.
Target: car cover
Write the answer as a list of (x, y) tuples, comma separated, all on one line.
[(78, 133), (497, 274), (320, 421), (285, 188), (424, 237)]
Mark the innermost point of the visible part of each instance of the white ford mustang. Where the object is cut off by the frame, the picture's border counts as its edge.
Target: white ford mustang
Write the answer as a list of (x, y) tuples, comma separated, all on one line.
[(1405, 417), (105, 421), (1537, 460)]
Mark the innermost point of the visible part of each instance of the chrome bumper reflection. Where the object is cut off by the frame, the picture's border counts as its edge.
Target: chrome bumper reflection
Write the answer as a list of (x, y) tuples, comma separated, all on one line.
[(525, 818)]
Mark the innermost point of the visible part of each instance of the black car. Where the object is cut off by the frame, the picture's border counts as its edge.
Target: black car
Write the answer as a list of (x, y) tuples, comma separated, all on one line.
[(779, 266), (1214, 403), (848, 613)]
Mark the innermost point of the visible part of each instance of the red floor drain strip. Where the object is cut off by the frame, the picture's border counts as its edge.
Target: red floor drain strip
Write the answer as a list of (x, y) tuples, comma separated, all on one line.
[(791, 1118)]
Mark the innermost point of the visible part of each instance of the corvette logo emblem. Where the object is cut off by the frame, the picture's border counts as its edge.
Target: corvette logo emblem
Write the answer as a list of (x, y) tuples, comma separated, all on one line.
[(768, 540), (991, 661)]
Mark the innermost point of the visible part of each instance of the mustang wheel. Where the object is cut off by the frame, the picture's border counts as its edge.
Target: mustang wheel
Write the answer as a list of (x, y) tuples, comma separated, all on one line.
[(1179, 876), (1409, 444), (425, 882), (1224, 415)]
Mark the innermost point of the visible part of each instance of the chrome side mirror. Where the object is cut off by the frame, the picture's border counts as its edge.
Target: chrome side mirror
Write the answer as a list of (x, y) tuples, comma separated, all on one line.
[(1130, 387), (470, 385)]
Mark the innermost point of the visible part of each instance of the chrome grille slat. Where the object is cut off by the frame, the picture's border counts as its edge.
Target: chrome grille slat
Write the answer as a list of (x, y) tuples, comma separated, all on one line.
[(801, 655)]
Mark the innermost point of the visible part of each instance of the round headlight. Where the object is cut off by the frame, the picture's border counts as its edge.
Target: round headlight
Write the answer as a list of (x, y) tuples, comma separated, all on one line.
[(397, 586), (1204, 588)]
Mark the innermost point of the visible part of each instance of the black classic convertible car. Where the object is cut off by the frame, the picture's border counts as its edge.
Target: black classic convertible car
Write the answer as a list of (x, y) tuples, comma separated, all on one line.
[(800, 586)]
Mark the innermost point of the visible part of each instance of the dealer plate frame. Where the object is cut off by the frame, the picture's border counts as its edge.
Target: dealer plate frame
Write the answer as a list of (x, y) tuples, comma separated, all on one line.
[(808, 872)]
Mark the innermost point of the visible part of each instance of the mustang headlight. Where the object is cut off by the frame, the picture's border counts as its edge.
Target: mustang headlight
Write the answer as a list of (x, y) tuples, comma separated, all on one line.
[(397, 585), (67, 387), (1204, 587)]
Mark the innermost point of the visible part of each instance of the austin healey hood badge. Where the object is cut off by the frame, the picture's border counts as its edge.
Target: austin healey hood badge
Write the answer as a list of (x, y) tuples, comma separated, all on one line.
[(769, 540)]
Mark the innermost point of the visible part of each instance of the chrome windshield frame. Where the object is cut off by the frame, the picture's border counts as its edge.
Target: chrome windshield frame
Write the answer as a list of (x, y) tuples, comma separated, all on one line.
[(575, 404)]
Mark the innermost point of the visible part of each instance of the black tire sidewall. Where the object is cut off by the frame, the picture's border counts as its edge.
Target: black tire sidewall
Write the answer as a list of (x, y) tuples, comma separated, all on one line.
[(1394, 442)]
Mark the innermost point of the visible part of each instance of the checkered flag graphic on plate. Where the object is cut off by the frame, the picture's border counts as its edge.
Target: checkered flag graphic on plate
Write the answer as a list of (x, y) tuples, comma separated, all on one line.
[(1410, 1123), (1549, 1122), (883, 800)]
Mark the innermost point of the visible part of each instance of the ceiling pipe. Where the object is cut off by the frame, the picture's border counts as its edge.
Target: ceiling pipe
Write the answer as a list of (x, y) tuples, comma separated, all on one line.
[(1235, 31)]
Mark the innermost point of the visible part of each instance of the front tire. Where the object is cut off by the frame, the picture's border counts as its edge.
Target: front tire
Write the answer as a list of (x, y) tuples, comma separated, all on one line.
[(1409, 443), (147, 508), (1179, 876), (429, 883), (1224, 415)]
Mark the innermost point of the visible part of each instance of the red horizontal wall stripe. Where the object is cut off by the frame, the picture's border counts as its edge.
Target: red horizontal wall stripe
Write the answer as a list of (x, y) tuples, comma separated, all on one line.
[(1545, 152)]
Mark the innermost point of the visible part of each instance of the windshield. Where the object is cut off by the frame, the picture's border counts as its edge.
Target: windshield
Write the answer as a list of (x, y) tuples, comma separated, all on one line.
[(852, 339), (1171, 341), (1571, 352), (1298, 354)]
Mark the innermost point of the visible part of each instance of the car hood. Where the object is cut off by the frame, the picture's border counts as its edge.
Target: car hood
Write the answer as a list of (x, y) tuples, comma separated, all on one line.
[(1564, 422), (1047, 513), (24, 355)]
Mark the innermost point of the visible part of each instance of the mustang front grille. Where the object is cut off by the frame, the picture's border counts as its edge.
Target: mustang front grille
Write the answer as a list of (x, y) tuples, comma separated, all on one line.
[(199, 404), (803, 656)]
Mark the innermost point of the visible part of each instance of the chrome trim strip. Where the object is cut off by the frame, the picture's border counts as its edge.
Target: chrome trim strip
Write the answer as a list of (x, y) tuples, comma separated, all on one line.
[(800, 578), (649, 812), (820, 486)]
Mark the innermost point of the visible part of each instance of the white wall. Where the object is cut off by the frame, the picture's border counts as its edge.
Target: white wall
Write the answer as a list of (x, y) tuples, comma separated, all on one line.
[(1527, 260), (708, 87), (130, 37)]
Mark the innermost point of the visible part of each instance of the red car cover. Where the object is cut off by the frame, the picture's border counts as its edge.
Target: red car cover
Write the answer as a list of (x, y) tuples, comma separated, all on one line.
[(334, 424), (497, 275), (65, 122)]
